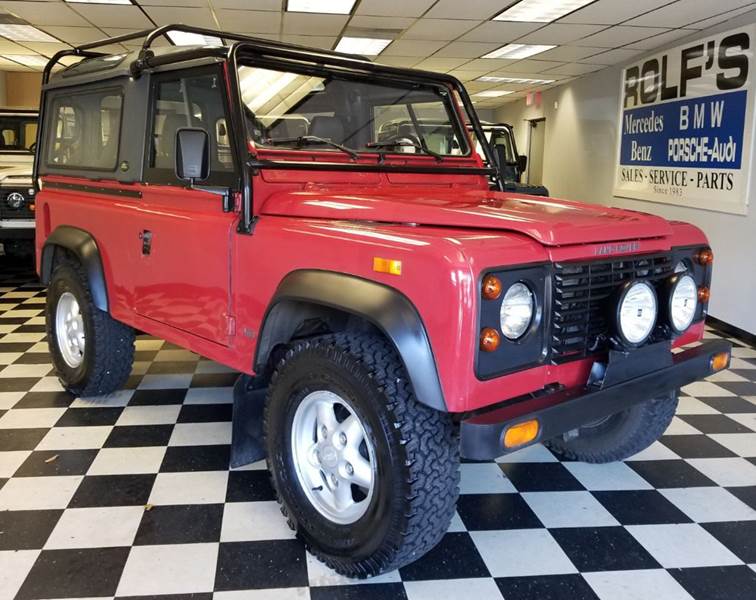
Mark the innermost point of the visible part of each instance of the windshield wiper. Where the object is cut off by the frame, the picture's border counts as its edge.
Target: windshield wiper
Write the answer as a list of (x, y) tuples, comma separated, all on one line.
[(407, 144), (307, 140)]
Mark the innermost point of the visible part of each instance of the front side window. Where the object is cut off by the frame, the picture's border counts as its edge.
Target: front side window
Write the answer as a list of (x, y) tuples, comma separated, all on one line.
[(17, 133), (285, 109), (85, 130)]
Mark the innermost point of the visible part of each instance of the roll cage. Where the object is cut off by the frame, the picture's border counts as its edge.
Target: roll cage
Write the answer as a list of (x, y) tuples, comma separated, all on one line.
[(274, 54)]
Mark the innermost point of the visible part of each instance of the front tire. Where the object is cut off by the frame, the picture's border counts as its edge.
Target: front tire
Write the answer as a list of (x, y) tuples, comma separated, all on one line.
[(92, 352), (619, 436), (349, 399)]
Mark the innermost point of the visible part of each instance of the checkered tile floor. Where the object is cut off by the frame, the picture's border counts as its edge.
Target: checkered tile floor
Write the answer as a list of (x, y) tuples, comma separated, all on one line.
[(131, 496)]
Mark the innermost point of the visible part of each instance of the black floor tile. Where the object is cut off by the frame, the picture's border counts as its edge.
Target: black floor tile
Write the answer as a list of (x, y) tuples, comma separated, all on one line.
[(670, 473), (717, 583), (145, 355), (20, 439), (482, 512), (549, 587), (15, 346), (89, 417), (249, 486), (373, 591), (198, 596), (258, 565), (739, 388), (196, 458), (214, 379), (455, 557), (33, 358), (172, 367), (26, 529), (745, 494), (541, 477), (45, 400), (113, 490), (16, 384), (56, 462), (184, 524), (715, 423), (157, 397), (128, 436), (695, 446), (87, 572), (205, 413), (730, 404), (640, 507), (603, 549), (738, 536)]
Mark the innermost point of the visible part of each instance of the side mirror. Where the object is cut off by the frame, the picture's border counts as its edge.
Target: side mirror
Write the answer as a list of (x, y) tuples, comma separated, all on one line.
[(522, 163), (192, 154)]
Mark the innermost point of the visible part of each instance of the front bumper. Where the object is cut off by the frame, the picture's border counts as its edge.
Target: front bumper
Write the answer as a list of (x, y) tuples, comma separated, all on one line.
[(17, 229), (625, 381)]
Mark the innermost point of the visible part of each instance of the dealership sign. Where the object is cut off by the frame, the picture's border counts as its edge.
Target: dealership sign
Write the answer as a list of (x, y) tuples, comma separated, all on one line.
[(686, 123)]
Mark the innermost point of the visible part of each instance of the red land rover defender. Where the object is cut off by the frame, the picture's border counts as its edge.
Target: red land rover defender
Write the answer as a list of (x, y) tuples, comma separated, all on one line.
[(390, 311)]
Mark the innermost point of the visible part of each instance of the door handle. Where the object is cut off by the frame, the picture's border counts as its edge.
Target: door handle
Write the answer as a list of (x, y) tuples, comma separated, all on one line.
[(146, 237)]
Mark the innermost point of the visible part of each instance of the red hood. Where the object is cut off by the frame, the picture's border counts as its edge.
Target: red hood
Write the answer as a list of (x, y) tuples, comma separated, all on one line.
[(549, 221)]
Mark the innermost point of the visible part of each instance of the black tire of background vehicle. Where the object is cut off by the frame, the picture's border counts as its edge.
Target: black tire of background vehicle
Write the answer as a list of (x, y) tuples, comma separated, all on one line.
[(109, 349), (621, 435), (417, 450)]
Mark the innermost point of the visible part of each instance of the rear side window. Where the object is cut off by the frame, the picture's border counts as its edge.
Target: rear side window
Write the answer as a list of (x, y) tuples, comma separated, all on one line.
[(85, 130)]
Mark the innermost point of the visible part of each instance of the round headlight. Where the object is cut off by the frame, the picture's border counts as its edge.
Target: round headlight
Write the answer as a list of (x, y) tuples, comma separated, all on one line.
[(636, 314), (517, 309), (683, 301), (15, 200)]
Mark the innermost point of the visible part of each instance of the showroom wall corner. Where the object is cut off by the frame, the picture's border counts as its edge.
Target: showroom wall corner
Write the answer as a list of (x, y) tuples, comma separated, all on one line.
[(580, 162)]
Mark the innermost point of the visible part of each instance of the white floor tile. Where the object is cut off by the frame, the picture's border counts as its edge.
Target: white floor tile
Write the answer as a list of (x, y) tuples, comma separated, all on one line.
[(14, 567), (47, 384), (36, 493), (484, 478), (98, 527), (456, 524), (253, 521), (266, 594), (636, 585), (123, 461), (170, 569), (568, 509), (702, 389), (217, 395), (9, 399), (453, 589), (202, 487), (747, 419), (114, 400), (25, 371), (727, 472), (742, 444), (75, 438), (149, 415), (29, 418), (537, 453), (612, 476), (682, 546), (7, 358), (709, 504), (656, 451), (176, 355), (680, 427), (165, 381), (693, 406), (201, 434), (509, 553), (319, 575), (11, 460)]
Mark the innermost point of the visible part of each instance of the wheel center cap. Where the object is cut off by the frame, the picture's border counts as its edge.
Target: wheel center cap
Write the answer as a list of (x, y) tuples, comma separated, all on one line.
[(329, 456)]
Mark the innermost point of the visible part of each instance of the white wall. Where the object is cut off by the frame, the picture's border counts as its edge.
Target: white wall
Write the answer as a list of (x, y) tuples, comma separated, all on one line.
[(580, 161)]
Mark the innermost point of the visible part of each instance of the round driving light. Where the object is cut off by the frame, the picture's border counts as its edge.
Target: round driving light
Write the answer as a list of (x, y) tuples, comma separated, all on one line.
[(489, 339), (703, 294), (517, 310), (683, 301), (636, 313), (15, 200), (491, 287)]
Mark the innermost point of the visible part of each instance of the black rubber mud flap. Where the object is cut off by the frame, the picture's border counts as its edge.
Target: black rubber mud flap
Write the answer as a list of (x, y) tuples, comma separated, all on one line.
[(247, 445)]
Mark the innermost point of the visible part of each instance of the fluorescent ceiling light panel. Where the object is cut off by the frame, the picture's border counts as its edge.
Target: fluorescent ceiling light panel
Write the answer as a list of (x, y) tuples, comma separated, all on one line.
[(186, 38), (518, 51), (492, 93), (360, 45), (331, 7), (540, 11), (24, 33), (28, 60), (99, 1), (494, 79)]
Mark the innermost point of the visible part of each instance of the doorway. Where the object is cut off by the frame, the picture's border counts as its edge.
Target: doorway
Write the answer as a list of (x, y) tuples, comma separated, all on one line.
[(536, 142)]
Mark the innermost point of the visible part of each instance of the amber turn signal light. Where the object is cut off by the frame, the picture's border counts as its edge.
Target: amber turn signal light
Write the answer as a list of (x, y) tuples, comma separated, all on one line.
[(705, 257), (720, 361), (387, 265), (522, 433), (703, 294), (489, 339), (491, 287)]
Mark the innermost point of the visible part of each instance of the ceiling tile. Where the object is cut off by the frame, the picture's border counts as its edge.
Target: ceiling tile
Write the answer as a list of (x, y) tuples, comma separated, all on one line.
[(533, 66), (499, 31), (569, 53), (45, 13), (165, 15), (441, 64), (680, 14), (420, 48), (466, 49), (46, 48), (614, 57), (276, 5), (250, 21), (315, 41), (8, 47), (479, 9), (9, 65), (466, 76), (202, 3), (393, 8), (438, 29), (398, 61), (113, 16), (369, 22), (662, 39), (489, 63), (706, 23), (620, 35), (574, 69), (558, 33), (75, 35), (298, 23), (611, 12)]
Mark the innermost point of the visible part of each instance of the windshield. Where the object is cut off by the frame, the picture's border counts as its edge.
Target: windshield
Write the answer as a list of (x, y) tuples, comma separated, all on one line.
[(17, 133), (335, 112)]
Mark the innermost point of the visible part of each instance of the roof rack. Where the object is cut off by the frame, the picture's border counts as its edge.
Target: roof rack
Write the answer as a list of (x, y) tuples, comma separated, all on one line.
[(151, 35)]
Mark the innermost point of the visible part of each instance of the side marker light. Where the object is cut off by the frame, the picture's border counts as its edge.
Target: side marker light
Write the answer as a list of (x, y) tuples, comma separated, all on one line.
[(387, 265), (720, 361), (522, 433)]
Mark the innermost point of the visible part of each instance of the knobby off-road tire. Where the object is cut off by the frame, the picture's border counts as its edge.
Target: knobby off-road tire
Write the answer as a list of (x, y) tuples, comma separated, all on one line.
[(108, 355), (621, 435), (415, 450)]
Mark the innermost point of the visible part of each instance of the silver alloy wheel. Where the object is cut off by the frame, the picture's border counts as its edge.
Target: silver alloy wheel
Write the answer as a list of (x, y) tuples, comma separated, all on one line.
[(69, 329), (334, 474)]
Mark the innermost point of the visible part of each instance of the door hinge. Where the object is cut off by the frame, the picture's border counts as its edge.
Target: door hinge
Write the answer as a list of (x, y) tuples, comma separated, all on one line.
[(230, 325)]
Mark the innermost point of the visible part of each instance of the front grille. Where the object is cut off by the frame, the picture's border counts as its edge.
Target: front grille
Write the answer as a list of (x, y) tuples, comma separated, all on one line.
[(583, 294), (23, 212)]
